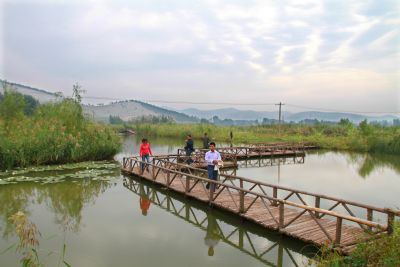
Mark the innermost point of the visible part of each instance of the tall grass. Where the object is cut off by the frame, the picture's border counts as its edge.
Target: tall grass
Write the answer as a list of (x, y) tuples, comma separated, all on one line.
[(367, 138), (384, 251), (55, 133)]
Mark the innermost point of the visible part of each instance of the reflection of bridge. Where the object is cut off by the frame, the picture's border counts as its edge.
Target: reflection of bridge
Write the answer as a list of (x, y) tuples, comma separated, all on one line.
[(307, 216), (232, 231), (265, 162), (264, 155)]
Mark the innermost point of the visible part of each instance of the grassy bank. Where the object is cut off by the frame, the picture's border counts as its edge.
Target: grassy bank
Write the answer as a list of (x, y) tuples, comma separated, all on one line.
[(53, 133), (344, 136), (380, 252)]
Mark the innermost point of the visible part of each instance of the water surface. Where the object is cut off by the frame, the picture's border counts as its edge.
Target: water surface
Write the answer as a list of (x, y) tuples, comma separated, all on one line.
[(106, 219)]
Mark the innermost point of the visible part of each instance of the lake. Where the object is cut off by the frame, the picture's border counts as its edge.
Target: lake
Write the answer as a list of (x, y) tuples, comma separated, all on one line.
[(106, 219)]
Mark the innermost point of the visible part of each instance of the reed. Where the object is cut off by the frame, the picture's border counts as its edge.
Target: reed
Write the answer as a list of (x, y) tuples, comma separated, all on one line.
[(341, 137), (55, 133)]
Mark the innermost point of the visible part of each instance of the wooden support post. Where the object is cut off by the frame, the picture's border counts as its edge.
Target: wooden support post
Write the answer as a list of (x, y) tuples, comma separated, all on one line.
[(241, 194), (390, 221), (281, 215), (338, 230), (168, 178), (317, 205), (275, 195)]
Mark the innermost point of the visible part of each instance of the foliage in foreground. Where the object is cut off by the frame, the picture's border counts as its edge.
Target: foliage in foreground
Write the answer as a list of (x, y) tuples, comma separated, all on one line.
[(384, 251), (54, 133), (343, 136), (28, 245)]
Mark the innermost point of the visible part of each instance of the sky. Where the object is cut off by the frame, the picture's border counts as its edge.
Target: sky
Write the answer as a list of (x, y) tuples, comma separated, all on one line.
[(333, 55)]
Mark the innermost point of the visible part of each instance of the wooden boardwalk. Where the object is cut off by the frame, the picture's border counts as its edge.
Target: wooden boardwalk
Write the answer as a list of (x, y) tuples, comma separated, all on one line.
[(259, 151), (313, 218)]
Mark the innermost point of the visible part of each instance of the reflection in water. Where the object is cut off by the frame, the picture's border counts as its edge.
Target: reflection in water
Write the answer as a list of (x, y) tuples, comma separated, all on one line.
[(65, 199), (213, 233), (366, 163), (372, 162), (144, 199), (269, 248)]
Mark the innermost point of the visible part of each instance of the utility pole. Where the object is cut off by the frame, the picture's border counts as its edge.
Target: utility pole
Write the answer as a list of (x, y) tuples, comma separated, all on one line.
[(280, 110), (280, 115)]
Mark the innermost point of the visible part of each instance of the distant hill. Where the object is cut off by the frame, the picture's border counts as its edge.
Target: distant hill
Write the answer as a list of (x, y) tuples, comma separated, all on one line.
[(336, 116), (126, 110), (236, 114), (133, 109), (41, 95), (233, 113)]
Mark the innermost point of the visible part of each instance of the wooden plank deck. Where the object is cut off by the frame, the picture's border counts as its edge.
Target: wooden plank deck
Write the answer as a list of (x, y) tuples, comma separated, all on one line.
[(303, 228)]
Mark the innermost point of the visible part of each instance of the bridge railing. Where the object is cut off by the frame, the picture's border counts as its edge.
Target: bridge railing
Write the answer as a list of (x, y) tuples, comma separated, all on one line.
[(199, 154), (245, 192)]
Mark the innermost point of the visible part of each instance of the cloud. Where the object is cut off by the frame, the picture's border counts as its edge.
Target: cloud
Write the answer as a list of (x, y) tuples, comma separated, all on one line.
[(213, 47)]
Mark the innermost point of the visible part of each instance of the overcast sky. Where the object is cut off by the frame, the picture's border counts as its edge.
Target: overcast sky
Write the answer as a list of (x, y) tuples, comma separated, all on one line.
[(341, 55)]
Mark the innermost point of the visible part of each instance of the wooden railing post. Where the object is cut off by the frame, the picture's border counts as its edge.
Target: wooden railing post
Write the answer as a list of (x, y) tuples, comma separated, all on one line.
[(275, 195), (317, 205), (154, 169), (241, 194), (370, 217), (390, 221), (281, 214), (338, 230)]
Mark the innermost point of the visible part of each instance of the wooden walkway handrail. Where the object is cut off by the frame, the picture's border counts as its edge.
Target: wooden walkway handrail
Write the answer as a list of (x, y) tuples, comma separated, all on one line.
[(361, 205), (280, 201)]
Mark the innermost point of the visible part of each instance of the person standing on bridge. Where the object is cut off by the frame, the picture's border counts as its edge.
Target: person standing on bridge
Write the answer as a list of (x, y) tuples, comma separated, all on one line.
[(145, 153), (212, 158), (189, 148)]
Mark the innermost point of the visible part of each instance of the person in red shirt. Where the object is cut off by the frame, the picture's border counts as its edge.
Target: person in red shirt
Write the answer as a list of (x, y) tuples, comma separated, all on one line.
[(145, 153)]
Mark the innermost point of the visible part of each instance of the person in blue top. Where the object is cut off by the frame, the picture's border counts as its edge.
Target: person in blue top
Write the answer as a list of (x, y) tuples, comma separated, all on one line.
[(212, 157), (189, 148)]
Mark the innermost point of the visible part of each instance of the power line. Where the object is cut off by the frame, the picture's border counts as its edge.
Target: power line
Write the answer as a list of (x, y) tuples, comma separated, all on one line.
[(244, 104), (182, 102)]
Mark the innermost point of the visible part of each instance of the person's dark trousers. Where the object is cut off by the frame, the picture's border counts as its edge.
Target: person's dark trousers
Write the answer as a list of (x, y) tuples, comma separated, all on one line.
[(144, 159), (212, 174), (189, 159)]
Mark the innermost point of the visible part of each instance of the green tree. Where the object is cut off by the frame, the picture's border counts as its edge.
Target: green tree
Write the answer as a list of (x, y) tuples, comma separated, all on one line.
[(365, 128), (12, 106)]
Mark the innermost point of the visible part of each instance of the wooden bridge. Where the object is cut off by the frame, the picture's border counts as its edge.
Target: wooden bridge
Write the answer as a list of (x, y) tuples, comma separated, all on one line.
[(306, 216), (259, 150), (249, 239)]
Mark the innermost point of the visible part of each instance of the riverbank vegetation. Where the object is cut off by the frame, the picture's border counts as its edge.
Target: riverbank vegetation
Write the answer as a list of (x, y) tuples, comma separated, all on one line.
[(364, 137), (384, 251), (50, 133)]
